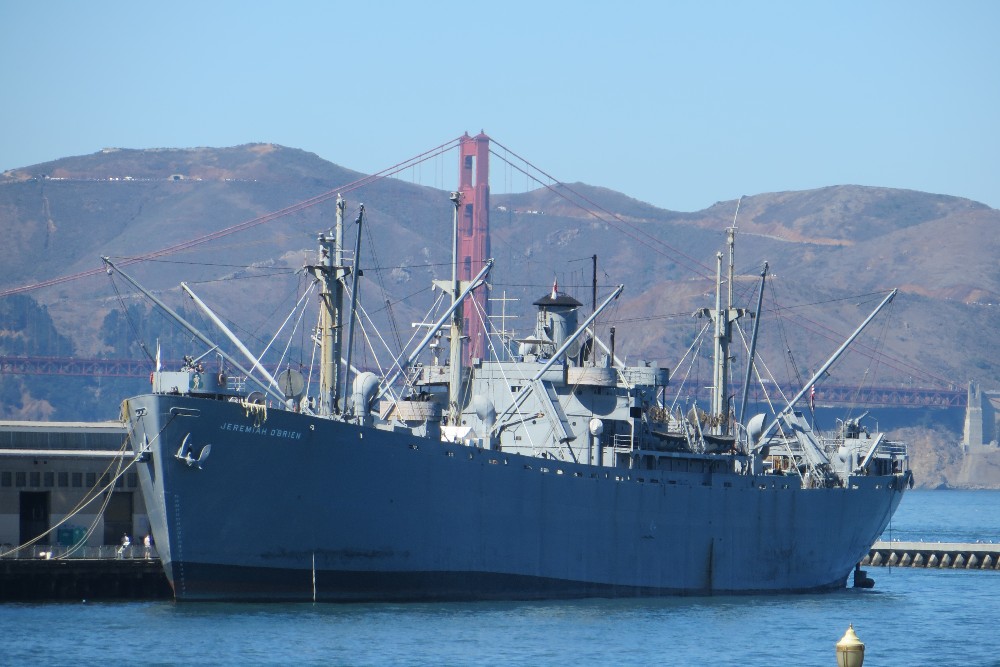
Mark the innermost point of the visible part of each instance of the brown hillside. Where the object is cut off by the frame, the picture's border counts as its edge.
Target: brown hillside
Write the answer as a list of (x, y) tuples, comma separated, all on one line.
[(830, 251)]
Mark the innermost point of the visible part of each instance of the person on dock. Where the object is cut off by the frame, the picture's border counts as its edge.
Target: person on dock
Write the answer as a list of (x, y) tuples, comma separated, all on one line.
[(147, 545), (126, 543)]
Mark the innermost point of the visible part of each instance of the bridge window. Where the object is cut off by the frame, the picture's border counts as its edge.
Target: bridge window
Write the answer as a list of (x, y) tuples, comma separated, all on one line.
[(20, 479), (49, 479), (77, 479), (91, 479), (470, 164), (5, 478), (35, 479)]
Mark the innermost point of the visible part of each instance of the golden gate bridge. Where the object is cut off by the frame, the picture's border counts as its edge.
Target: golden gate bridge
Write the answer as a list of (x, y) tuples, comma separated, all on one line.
[(474, 249)]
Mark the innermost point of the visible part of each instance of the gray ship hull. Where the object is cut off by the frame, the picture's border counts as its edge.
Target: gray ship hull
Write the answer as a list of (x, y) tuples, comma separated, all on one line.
[(297, 507)]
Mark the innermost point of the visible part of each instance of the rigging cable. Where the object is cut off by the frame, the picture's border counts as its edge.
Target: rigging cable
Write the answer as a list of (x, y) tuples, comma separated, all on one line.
[(247, 224), (381, 284), (288, 345), (302, 303), (128, 318), (693, 264), (880, 345)]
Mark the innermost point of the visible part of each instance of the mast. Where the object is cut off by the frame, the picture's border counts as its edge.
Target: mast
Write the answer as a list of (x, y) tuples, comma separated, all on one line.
[(327, 369), (753, 344), (592, 360), (455, 358), (721, 354), (338, 305), (723, 320), (593, 286), (355, 275), (330, 273)]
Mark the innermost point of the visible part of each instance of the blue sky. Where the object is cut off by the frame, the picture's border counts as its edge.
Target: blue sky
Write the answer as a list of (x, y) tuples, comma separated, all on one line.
[(680, 104)]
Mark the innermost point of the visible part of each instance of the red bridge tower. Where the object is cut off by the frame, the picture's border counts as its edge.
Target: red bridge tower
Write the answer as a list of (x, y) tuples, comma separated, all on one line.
[(474, 233)]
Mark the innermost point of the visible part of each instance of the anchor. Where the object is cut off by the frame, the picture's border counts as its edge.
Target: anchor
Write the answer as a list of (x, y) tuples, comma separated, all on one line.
[(142, 455), (185, 450)]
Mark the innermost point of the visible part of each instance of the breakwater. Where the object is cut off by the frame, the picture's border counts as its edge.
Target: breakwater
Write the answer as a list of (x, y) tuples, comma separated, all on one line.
[(971, 556)]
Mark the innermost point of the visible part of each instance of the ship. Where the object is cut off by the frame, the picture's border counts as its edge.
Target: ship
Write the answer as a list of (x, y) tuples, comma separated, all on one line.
[(551, 469)]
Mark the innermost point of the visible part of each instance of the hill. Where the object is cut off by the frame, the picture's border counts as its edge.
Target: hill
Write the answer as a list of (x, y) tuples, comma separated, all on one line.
[(232, 216)]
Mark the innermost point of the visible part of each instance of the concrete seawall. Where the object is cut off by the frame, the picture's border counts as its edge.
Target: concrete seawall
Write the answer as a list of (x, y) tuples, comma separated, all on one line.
[(974, 556)]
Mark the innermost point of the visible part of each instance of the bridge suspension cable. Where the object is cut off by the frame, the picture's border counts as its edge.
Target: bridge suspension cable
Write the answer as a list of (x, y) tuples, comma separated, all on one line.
[(689, 262), (247, 224)]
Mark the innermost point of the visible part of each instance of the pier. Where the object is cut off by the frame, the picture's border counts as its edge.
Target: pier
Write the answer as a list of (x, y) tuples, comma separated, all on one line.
[(105, 573), (957, 555)]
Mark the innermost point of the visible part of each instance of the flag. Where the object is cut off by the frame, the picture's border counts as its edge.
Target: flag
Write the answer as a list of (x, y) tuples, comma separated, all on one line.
[(812, 397), (157, 355), (555, 289)]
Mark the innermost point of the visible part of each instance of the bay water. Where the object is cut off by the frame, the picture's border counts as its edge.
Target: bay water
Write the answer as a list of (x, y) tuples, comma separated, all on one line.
[(912, 617)]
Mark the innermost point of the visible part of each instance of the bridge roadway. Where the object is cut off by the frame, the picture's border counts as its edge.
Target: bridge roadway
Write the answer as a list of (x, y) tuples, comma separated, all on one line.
[(826, 395)]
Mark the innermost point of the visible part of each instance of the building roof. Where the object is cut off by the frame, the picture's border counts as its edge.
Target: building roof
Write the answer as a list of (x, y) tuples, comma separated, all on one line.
[(560, 299), (61, 427)]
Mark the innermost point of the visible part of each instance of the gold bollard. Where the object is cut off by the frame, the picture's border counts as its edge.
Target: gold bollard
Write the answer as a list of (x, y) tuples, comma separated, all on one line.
[(850, 650)]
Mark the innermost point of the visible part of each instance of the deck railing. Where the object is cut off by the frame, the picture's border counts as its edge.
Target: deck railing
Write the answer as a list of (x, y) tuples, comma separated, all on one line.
[(59, 551)]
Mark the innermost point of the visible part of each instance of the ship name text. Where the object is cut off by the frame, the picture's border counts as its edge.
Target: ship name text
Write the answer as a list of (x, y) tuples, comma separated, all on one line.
[(257, 430)]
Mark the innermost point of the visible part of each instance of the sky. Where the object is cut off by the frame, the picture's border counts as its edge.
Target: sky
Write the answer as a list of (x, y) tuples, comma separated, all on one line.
[(679, 104)]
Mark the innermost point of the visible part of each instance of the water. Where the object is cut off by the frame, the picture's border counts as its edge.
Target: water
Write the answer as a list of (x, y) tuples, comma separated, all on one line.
[(947, 516), (911, 617)]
